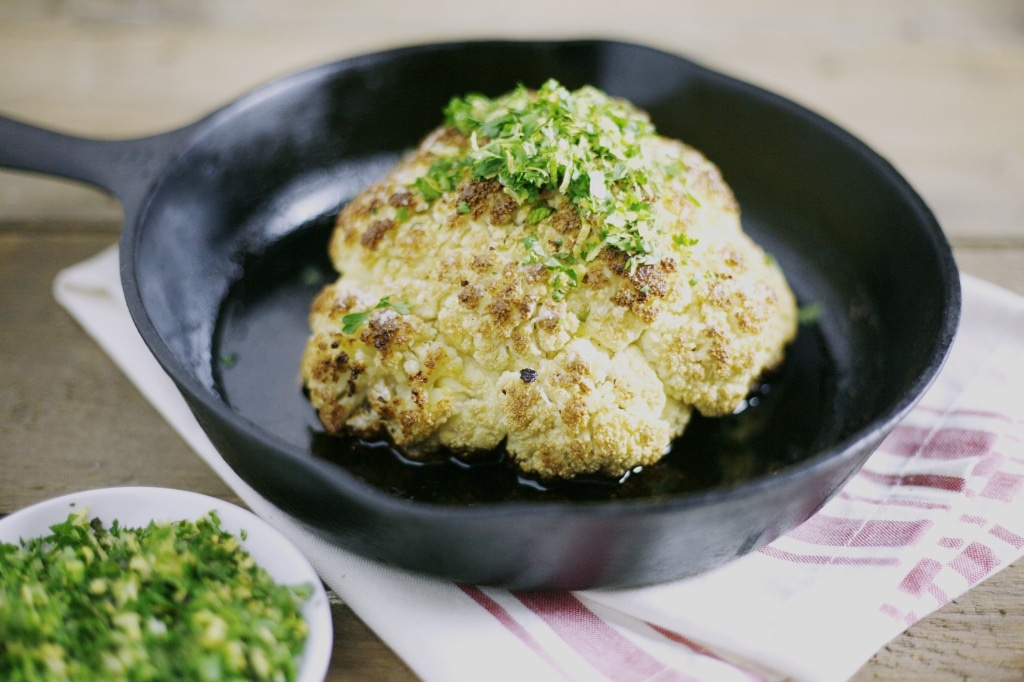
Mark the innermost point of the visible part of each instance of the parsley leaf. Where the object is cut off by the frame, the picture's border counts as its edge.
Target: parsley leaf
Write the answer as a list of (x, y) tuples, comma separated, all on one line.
[(561, 264), (809, 313), (538, 214), (584, 144), (353, 321)]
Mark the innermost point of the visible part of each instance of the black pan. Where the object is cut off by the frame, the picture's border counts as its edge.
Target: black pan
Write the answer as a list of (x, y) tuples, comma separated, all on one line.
[(224, 243)]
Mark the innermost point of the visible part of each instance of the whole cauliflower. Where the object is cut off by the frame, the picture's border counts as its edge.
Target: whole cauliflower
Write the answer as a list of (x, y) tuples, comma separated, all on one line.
[(545, 273)]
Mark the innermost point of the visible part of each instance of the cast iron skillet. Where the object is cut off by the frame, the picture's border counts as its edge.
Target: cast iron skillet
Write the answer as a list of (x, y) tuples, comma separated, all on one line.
[(226, 222)]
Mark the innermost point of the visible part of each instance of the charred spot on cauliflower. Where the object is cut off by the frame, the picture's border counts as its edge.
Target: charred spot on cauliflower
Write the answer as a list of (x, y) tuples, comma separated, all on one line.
[(547, 273)]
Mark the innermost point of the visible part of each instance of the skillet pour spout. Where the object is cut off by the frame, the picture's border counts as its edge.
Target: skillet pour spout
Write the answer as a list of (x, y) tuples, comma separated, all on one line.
[(224, 245)]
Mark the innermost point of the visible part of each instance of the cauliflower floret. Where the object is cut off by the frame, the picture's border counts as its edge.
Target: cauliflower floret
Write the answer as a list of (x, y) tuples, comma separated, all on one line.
[(469, 315)]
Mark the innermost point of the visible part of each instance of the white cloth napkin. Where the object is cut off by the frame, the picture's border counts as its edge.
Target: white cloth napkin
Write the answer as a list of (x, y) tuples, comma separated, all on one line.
[(938, 508)]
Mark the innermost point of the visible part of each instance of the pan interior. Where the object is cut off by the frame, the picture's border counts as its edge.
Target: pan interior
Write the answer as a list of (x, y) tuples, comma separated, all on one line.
[(263, 328), (233, 248)]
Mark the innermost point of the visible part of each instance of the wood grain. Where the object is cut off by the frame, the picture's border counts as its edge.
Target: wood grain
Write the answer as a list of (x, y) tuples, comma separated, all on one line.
[(69, 419), (936, 86)]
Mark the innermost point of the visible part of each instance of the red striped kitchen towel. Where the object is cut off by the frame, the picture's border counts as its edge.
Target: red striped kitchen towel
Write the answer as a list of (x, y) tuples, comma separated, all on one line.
[(938, 508)]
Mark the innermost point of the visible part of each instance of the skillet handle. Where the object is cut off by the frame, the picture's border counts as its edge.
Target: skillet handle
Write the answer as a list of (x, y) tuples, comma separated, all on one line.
[(125, 168)]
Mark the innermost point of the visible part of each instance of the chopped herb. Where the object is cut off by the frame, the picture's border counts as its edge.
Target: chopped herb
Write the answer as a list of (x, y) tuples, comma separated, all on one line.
[(440, 178), (402, 214), (353, 321), (464, 207), (166, 601), (561, 264), (533, 247), (809, 313), (428, 190), (675, 168), (538, 214), (228, 361), (682, 239), (401, 307), (584, 143)]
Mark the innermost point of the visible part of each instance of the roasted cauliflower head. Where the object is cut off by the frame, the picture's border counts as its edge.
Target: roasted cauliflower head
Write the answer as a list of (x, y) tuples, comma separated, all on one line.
[(547, 274)]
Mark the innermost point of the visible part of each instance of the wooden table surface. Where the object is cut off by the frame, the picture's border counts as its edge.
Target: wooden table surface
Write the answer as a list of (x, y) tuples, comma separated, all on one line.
[(936, 86)]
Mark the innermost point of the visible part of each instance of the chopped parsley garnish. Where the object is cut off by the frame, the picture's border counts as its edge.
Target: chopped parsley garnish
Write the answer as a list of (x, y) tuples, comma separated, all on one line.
[(440, 178), (168, 601), (809, 313), (538, 214), (353, 321), (562, 264), (582, 143)]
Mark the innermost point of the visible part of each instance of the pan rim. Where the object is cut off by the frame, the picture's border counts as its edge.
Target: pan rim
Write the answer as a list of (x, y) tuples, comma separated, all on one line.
[(873, 429)]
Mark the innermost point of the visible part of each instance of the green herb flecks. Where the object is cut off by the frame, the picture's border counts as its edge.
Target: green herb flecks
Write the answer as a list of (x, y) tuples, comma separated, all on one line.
[(538, 214), (809, 313), (560, 263), (584, 143), (168, 601), (442, 177), (351, 323), (684, 240)]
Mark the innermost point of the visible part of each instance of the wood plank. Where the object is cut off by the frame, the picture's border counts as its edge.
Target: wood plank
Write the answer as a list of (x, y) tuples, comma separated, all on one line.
[(936, 87), (59, 386), (999, 262), (976, 637), (69, 419), (359, 655)]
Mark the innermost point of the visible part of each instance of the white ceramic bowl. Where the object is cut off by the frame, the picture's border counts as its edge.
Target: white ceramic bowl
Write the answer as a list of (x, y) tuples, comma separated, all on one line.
[(137, 506)]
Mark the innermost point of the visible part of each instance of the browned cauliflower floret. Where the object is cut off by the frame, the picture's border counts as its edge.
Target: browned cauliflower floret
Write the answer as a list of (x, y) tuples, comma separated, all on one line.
[(576, 320)]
